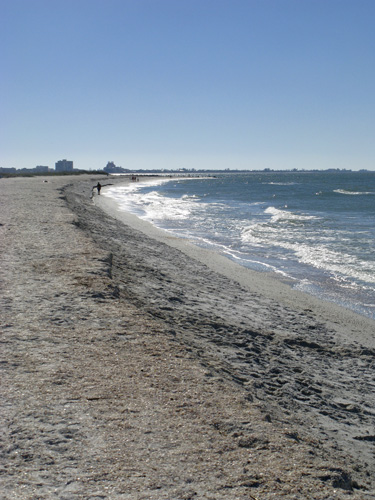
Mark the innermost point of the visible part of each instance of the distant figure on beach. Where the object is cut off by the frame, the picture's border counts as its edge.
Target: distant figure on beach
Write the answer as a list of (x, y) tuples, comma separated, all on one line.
[(98, 187)]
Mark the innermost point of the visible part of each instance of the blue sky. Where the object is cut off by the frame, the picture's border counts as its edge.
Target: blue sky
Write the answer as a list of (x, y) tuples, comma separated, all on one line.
[(148, 84)]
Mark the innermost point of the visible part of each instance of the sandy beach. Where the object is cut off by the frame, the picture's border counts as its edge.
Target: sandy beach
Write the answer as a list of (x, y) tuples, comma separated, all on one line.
[(138, 366)]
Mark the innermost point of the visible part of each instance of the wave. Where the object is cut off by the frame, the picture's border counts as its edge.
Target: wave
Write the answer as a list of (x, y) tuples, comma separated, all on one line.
[(281, 183), (309, 248), (353, 193), (286, 215), (281, 225), (306, 240), (151, 205)]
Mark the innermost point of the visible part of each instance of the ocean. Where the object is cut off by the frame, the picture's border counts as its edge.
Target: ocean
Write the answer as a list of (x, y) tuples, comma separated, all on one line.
[(313, 230)]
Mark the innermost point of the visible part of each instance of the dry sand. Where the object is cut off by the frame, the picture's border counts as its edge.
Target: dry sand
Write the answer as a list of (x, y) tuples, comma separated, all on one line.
[(136, 366)]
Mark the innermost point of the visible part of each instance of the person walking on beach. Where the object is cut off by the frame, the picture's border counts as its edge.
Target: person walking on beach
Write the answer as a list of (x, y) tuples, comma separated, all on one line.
[(98, 187)]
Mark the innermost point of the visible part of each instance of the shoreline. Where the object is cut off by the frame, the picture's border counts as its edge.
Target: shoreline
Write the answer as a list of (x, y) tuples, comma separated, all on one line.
[(294, 266), (331, 341), (268, 285), (133, 369)]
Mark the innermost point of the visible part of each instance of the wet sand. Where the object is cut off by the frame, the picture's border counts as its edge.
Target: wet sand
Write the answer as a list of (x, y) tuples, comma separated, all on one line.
[(137, 366)]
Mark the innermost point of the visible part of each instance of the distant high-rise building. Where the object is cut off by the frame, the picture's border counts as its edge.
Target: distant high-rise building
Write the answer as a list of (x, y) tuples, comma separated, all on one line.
[(41, 168), (64, 166), (110, 165), (112, 169)]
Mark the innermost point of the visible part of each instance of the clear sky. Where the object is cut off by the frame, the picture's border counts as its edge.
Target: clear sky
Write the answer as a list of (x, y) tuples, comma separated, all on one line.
[(242, 84)]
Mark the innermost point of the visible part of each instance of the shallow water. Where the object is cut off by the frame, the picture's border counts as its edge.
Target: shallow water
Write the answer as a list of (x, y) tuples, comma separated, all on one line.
[(313, 229)]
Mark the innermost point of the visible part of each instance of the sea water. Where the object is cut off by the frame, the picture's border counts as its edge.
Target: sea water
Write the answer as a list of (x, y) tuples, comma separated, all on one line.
[(314, 230)]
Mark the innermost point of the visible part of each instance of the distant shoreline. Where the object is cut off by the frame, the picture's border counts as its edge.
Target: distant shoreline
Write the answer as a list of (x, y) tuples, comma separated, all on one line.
[(4, 172)]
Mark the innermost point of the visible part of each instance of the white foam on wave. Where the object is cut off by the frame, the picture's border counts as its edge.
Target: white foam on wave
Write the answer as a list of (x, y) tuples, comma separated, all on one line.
[(342, 266), (287, 215), (242, 258), (270, 231), (352, 193), (281, 183), (310, 249), (121, 192), (310, 244), (151, 205)]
